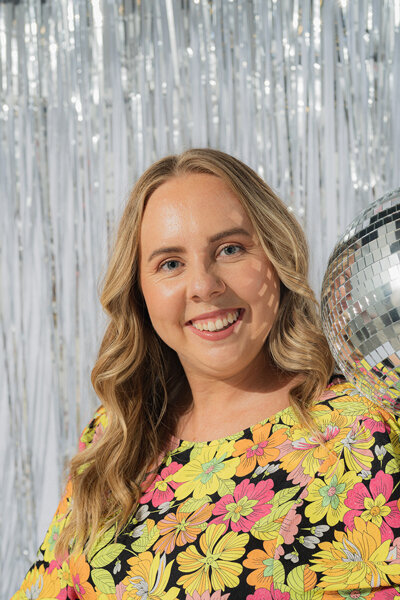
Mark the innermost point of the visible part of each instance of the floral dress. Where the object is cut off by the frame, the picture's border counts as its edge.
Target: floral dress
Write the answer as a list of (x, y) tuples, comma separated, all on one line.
[(269, 513)]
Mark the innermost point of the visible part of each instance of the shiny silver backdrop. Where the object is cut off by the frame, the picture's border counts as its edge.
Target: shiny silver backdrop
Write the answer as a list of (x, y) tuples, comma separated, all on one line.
[(92, 92)]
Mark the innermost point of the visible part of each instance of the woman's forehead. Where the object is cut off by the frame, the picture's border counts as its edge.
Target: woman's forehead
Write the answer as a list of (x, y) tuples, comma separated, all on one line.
[(191, 201)]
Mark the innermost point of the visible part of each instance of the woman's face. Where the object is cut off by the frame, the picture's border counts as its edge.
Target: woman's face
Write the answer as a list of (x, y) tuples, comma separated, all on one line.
[(202, 267)]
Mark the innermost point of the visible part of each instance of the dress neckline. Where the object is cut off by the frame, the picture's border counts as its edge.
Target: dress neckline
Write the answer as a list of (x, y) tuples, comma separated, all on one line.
[(177, 442)]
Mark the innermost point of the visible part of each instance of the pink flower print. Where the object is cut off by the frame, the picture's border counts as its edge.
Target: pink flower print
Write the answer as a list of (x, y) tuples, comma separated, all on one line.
[(355, 594), (65, 592), (247, 505), (375, 426), (386, 594), (257, 450), (71, 594), (78, 587), (373, 505), (119, 591), (289, 527), (272, 594), (98, 433), (206, 596), (162, 487)]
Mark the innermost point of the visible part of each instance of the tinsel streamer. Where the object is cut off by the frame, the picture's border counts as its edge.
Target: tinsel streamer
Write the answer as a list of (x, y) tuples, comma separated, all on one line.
[(92, 92)]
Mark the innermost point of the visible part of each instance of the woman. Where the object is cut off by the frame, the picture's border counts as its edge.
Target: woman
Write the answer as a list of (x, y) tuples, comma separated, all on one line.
[(220, 465)]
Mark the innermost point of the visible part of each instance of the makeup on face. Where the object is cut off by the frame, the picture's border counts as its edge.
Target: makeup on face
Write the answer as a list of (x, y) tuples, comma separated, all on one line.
[(211, 293)]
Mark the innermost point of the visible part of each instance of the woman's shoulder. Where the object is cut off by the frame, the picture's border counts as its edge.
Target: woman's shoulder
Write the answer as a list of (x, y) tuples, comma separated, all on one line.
[(345, 402), (95, 429)]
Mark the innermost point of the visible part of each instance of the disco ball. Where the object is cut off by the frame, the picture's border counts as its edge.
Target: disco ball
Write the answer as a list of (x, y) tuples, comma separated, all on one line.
[(360, 302)]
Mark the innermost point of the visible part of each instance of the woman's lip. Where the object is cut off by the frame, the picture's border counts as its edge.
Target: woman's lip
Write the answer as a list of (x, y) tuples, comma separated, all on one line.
[(221, 334), (214, 314)]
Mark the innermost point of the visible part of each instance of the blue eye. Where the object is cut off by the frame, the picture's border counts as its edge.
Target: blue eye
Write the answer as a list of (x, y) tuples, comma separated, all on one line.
[(161, 267), (237, 248), (232, 246)]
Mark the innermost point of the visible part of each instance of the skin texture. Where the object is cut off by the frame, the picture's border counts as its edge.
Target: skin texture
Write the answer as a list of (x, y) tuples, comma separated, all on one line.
[(230, 378)]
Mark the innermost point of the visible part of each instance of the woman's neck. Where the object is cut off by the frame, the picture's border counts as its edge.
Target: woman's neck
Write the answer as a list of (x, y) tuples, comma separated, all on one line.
[(222, 410)]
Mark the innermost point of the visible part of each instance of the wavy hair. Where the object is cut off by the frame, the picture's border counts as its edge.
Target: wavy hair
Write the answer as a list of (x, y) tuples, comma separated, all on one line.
[(140, 380)]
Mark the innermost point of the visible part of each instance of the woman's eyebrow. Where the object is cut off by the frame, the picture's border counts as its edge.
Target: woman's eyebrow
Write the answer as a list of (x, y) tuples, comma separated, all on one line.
[(213, 238)]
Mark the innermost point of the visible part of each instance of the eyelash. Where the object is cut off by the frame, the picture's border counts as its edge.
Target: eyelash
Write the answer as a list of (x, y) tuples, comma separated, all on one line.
[(224, 248)]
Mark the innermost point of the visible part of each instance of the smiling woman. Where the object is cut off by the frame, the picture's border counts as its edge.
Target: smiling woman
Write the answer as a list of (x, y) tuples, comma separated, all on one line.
[(191, 290), (221, 464)]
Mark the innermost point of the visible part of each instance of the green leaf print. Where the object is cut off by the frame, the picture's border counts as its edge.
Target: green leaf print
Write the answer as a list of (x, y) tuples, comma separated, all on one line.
[(192, 504), (103, 580), (279, 511), (392, 467), (107, 555), (267, 528), (302, 581), (102, 541), (234, 436), (285, 495), (301, 595), (278, 572), (185, 445), (226, 486), (147, 539), (197, 450), (296, 579), (350, 408)]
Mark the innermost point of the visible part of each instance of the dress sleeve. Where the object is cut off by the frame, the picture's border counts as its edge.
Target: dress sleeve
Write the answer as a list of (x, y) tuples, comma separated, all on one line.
[(48, 577), (362, 557)]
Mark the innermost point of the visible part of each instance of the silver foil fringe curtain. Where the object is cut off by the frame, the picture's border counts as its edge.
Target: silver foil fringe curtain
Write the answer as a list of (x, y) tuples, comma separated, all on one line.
[(92, 92)]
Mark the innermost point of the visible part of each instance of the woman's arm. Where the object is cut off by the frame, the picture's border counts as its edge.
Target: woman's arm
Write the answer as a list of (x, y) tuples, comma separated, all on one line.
[(50, 577)]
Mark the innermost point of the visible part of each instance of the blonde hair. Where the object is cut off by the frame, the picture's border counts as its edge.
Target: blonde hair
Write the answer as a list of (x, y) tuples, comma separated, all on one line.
[(140, 380)]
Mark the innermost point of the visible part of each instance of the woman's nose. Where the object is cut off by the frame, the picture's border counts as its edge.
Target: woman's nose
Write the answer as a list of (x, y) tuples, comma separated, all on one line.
[(204, 282)]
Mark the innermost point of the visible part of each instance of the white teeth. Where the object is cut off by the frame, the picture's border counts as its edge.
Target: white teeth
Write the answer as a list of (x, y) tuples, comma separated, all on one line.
[(220, 323)]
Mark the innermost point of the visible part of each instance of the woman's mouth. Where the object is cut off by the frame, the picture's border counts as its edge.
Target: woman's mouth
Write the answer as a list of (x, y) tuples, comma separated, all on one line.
[(220, 328)]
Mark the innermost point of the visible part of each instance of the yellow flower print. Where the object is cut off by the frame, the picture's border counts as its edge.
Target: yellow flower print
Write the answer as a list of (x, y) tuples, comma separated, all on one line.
[(356, 559), (64, 505), (305, 455), (64, 575), (327, 496), (325, 416), (356, 448), (203, 474), (375, 509), (38, 584), (50, 540), (214, 569), (148, 577), (355, 405)]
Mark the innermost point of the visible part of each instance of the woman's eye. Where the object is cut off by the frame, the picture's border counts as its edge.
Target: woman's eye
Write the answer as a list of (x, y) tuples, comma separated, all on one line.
[(231, 250), (168, 262)]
